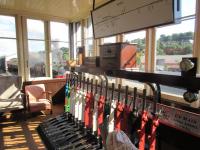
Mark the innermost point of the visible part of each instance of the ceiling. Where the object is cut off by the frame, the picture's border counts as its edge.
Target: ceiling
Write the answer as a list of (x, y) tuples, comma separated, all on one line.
[(68, 9)]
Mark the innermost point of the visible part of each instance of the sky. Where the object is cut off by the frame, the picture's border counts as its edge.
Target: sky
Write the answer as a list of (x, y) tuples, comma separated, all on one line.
[(59, 31), (8, 47)]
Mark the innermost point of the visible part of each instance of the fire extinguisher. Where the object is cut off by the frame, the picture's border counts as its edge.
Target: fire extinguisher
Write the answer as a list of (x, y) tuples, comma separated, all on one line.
[(119, 110), (144, 119), (88, 106)]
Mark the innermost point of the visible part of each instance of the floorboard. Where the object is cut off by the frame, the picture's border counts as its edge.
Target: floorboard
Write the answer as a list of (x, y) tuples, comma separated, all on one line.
[(15, 133)]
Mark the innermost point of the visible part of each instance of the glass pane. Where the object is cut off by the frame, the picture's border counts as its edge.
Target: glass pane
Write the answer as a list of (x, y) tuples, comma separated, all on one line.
[(7, 26), (188, 7), (78, 44), (35, 29), (89, 48), (78, 32), (8, 57), (138, 39), (37, 58), (172, 90), (89, 28), (59, 31), (111, 39), (173, 43), (60, 54)]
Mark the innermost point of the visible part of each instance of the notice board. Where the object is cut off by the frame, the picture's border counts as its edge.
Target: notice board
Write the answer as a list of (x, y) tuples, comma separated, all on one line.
[(121, 16)]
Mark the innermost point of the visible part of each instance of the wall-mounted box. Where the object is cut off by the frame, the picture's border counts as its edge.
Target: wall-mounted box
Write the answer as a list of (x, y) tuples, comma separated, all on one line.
[(118, 55)]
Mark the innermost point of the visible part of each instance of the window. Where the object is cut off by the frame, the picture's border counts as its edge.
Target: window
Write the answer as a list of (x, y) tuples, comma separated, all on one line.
[(8, 48), (175, 42), (59, 47), (89, 45), (138, 39), (77, 32), (111, 39), (36, 48)]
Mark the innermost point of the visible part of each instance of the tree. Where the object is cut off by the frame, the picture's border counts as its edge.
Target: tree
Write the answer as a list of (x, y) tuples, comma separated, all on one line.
[(175, 44), (160, 50), (140, 43), (65, 52)]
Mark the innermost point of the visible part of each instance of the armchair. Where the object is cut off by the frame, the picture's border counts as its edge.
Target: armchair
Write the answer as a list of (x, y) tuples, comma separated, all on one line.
[(37, 98)]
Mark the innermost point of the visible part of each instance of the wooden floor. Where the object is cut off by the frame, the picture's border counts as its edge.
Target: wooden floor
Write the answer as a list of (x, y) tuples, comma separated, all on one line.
[(16, 134)]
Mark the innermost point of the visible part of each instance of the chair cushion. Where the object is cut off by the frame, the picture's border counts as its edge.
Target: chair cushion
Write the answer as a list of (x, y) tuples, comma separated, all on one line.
[(11, 104), (41, 104), (35, 92)]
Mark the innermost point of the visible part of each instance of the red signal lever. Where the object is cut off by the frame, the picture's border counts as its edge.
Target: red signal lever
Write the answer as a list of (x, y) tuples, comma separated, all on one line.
[(144, 119)]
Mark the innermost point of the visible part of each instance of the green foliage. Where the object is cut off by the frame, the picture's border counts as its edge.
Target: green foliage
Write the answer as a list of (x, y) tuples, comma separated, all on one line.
[(160, 50), (175, 44), (65, 53), (140, 43)]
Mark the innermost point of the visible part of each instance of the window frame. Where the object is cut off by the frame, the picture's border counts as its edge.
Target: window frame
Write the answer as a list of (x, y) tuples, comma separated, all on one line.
[(26, 41), (50, 41), (196, 53), (24, 45), (86, 38), (16, 40)]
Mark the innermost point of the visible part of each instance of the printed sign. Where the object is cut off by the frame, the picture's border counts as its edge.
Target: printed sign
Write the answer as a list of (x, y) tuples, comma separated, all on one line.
[(174, 117), (180, 119)]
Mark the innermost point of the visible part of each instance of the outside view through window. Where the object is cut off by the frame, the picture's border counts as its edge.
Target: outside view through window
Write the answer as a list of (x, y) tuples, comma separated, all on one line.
[(89, 45), (138, 39), (8, 48), (37, 52), (36, 48), (175, 42), (59, 47)]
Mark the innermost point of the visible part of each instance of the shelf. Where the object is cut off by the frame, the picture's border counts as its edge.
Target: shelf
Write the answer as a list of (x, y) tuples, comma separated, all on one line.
[(191, 83)]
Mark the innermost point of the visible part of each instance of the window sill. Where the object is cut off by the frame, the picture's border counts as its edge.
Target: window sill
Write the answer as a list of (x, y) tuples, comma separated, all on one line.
[(179, 99)]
